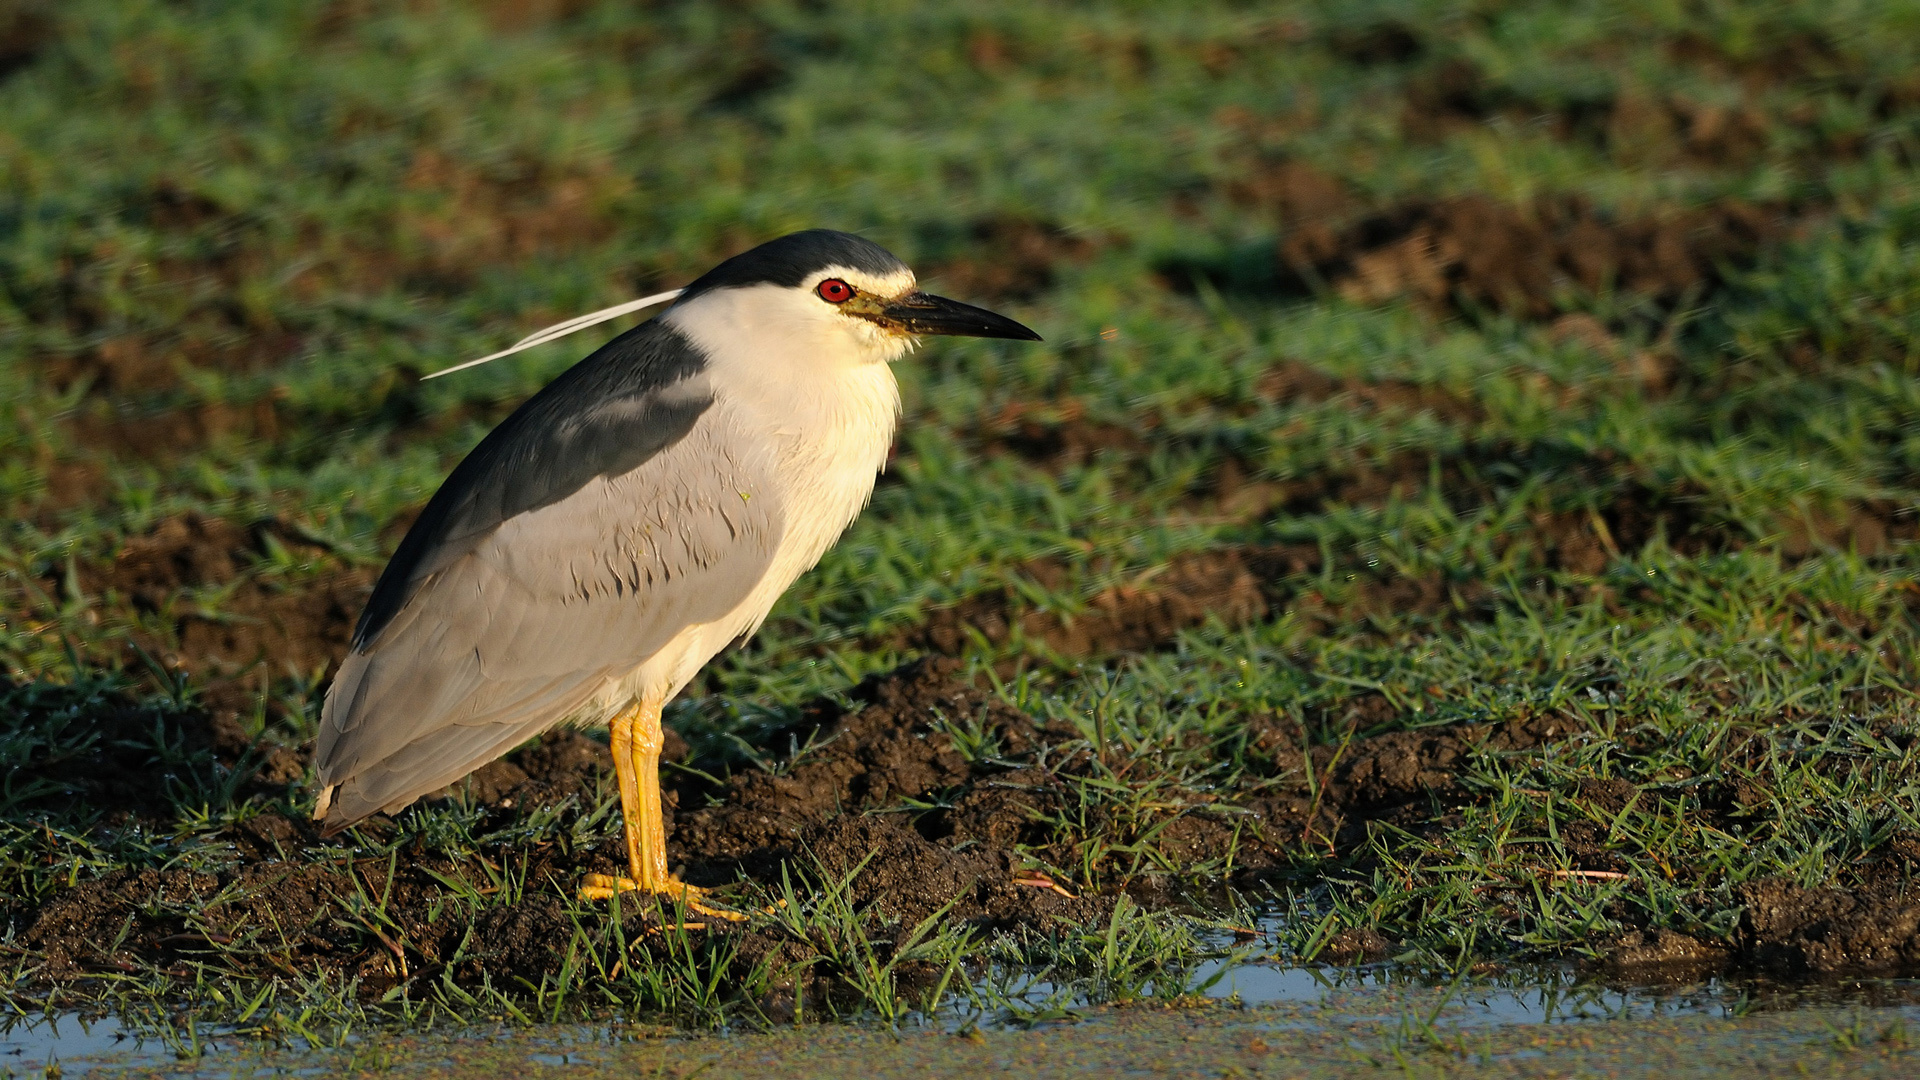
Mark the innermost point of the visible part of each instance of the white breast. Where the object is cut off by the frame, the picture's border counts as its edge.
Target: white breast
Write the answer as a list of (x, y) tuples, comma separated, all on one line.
[(826, 405)]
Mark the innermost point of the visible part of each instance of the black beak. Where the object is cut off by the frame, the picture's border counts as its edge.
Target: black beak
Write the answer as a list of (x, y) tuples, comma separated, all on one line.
[(920, 313)]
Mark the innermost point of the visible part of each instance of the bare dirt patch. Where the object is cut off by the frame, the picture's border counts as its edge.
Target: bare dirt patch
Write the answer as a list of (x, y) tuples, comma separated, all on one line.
[(26, 29), (1338, 771), (1876, 928), (464, 214), (1475, 252), (1006, 257), (228, 624), (869, 769)]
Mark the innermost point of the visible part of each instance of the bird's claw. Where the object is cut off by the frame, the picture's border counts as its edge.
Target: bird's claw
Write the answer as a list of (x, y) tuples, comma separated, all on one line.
[(605, 886)]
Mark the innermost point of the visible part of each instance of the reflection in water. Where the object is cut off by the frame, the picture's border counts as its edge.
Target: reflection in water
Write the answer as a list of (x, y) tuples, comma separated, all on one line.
[(36, 1042), (1332, 997)]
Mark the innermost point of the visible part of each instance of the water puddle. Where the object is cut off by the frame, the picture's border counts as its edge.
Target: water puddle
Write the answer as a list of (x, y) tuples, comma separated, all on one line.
[(1273, 997)]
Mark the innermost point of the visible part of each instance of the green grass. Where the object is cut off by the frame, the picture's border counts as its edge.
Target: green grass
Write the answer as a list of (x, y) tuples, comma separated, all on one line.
[(1681, 526)]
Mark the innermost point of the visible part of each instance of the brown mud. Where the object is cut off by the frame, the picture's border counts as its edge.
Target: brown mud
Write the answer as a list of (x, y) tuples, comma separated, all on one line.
[(879, 791), (1008, 258), (253, 629), (807, 819), (26, 29), (1472, 253)]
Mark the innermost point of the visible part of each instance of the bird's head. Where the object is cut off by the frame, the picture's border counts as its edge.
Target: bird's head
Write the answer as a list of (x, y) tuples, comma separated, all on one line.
[(838, 294)]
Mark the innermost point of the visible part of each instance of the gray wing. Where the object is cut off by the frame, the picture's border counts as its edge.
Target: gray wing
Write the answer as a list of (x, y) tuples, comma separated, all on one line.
[(512, 635)]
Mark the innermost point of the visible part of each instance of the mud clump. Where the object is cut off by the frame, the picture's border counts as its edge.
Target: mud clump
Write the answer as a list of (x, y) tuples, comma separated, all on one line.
[(276, 909), (889, 746), (907, 878), (838, 805), (177, 554), (26, 29), (1404, 777), (1473, 252), (1010, 258), (1665, 954), (259, 628), (1875, 928), (80, 751), (141, 766), (269, 915)]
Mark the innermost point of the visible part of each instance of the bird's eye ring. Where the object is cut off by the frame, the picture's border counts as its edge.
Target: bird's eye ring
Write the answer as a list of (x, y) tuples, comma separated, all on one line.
[(834, 291)]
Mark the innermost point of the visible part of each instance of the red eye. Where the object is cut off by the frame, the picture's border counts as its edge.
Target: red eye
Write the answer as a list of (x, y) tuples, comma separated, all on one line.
[(835, 291)]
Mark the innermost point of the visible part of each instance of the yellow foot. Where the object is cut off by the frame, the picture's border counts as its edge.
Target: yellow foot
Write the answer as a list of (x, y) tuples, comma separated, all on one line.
[(603, 887)]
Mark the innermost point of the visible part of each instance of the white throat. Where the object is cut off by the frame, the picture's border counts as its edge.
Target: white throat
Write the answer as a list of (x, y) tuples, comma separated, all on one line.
[(787, 366)]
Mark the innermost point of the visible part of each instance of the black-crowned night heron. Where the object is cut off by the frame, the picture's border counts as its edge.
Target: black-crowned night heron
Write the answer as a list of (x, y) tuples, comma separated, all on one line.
[(625, 524)]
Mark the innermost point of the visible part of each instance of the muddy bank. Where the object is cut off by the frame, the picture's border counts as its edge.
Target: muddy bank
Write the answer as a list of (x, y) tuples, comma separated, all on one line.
[(930, 793), (807, 822)]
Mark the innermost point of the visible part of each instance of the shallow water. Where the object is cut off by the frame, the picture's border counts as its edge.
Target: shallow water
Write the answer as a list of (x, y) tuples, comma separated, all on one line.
[(1361, 1013)]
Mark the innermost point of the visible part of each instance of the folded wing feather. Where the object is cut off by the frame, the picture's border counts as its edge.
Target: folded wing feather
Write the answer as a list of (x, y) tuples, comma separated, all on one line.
[(529, 625)]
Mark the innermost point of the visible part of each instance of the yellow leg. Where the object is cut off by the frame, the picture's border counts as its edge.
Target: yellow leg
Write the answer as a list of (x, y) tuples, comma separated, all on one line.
[(636, 740)]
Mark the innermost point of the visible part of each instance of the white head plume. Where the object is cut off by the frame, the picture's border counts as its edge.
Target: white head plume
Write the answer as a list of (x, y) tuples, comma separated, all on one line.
[(562, 329)]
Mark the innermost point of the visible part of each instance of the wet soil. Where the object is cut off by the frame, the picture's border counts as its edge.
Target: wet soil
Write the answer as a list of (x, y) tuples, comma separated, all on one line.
[(868, 754), (889, 745), (26, 29), (210, 611), (1472, 254), (1004, 257), (1873, 928), (1361, 774), (879, 791)]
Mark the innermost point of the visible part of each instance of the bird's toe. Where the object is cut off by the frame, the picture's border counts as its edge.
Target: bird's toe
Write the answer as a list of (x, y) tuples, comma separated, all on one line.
[(605, 886)]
